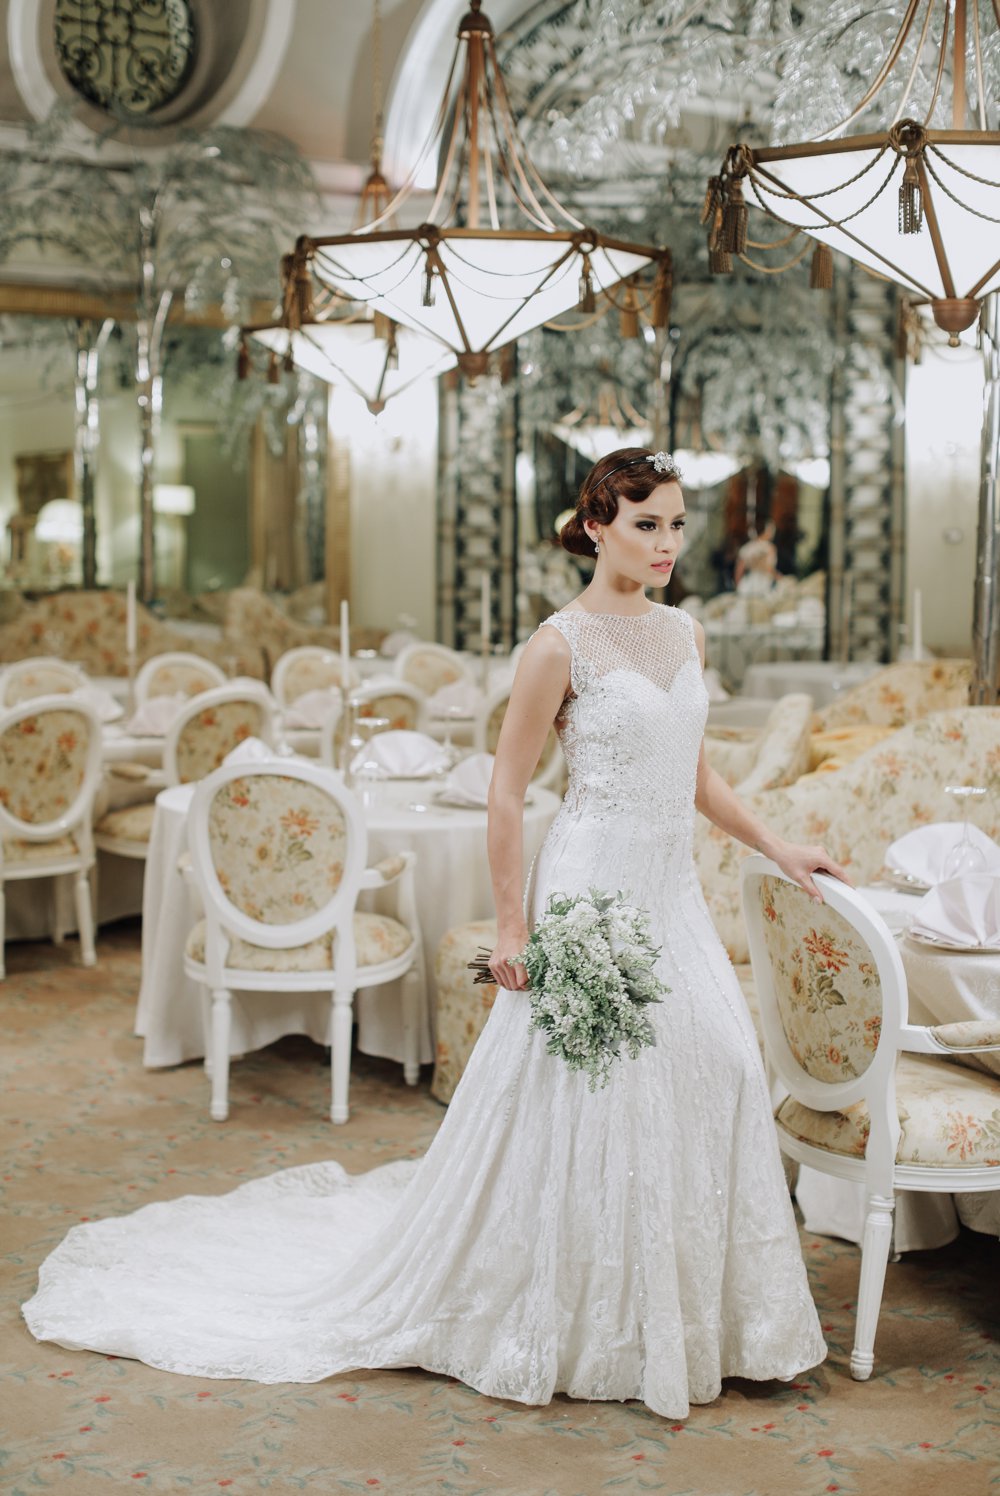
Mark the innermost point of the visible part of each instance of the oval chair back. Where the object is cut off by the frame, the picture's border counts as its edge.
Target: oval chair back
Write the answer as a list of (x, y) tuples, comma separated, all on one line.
[(403, 705), (486, 734), (309, 667), (212, 724), (431, 666), (177, 672), (45, 676)]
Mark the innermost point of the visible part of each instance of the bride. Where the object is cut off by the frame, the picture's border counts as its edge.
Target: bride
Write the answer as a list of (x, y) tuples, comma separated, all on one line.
[(631, 1242)]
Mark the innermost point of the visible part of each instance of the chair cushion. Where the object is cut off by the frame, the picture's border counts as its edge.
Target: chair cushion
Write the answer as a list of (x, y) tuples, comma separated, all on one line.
[(61, 847), (377, 937), (950, 1118), (133, 824), (463, 1005)]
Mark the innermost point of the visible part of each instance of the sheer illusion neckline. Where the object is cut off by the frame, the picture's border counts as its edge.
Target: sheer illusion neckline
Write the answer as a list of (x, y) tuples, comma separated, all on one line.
[(591, 613)]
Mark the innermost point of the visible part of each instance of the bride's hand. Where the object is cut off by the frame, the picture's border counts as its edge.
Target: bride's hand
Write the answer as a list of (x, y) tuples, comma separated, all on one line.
[(799, 863), (510, 975)]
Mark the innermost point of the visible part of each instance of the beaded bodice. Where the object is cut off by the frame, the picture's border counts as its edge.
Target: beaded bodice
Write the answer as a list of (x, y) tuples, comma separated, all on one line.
[(631, 728)]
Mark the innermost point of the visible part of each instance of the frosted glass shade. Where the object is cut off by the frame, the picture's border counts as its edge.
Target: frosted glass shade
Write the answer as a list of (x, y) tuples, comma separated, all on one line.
[(490, 287), (173, 498), (349, 353), (595, 441), (60, 522), (971, 245)]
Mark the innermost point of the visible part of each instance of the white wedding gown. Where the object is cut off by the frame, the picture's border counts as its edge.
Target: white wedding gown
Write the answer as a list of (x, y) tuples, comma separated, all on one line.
[(634, 1242)]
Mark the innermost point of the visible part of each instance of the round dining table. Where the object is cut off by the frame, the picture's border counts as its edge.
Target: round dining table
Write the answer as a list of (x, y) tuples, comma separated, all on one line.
[(452, 887), (945, 986)]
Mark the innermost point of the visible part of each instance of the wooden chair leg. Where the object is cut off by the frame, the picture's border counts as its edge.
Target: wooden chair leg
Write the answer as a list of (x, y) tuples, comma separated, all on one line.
[(340, 1055), (58, 919), (220, 1054), (412, 991), (85, 920), (874, 1256), (3, 933)]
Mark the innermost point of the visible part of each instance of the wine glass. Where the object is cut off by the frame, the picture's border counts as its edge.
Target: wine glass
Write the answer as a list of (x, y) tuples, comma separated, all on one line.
[(452, 716), (965, 857), (369, 770)]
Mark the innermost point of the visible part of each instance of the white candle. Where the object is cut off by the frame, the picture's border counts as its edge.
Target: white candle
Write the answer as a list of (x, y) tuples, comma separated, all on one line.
[(917, 625), (345, 647), (131, 628)]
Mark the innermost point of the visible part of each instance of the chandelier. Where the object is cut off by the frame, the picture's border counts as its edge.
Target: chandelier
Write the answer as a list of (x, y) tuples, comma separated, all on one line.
[(463, 278), (935, 234)]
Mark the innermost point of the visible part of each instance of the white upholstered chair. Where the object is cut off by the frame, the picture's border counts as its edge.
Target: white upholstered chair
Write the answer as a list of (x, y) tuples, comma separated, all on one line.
[(26, 679), (176, 673), (550, 770), (871, 1097), (206, 728), (308, 667), (278, 854), (431, 666), (50, 765), (402, 705)]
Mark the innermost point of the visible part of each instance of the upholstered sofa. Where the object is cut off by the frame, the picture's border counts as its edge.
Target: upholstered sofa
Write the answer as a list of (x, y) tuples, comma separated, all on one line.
[(755, 759), (250, 614), (899, 694), (89, 629)]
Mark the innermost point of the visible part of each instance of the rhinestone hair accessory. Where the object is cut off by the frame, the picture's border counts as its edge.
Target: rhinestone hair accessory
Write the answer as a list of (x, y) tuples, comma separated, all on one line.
[(663, 462)]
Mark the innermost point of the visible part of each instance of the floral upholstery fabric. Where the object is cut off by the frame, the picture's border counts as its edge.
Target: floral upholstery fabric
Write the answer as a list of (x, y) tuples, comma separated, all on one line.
[(827, 989), (856, 813), (251, 614), (494, 722), (43, 761), (378, 938), (16, 851), (134, 823), (89, 628), (389, 867), (844, 744), (179, 679), (311, 673), (277, 845), (47, 680), (949, 1115), (402, 712), (900, 694), (978, 1032), (209, 735), (463, 1006), (777, 754), (429, 671)]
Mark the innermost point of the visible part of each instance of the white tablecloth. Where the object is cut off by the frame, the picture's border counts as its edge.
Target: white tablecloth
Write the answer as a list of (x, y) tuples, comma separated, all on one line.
[(452, 887), (734, 648), (820, 679), (944, 987)]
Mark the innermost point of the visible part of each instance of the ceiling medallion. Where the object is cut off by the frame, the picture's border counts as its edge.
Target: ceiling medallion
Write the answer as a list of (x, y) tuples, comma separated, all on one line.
[(128, 57)]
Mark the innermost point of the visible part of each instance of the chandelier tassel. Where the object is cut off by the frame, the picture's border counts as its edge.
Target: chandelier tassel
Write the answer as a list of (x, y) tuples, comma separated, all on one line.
[(243, 360), (303, 292), (288, 362), (273, 371), (628, 321), (720, 261), (383, 328), (427, 299), (911, 201), (735, 217), (588, 301), (659, 314), (821, 268)]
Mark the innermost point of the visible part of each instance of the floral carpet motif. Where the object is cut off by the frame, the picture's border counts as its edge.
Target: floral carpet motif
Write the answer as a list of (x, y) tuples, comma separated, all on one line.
[(88, 1133)]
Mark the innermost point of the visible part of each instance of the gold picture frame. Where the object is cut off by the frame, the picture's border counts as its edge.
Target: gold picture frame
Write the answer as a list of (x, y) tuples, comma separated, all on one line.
[(41, 477)]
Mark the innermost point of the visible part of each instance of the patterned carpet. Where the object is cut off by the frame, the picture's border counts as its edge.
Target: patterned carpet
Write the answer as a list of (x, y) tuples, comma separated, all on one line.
[(88, 1132)]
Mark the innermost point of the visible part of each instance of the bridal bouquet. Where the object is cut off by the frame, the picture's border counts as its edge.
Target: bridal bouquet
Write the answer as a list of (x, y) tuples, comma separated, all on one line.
[(590, 967)]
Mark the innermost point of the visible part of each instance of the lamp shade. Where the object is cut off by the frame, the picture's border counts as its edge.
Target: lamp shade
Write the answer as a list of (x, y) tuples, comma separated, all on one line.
[(60, 521), (595, 441), (349, 353), (173, 498)]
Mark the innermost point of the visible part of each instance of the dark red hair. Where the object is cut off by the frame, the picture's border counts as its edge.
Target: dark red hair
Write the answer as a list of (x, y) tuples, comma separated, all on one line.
[(620, 475)]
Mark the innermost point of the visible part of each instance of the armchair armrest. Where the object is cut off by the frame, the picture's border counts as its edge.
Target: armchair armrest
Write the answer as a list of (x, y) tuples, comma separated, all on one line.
[(385, 872), (952, 1038)]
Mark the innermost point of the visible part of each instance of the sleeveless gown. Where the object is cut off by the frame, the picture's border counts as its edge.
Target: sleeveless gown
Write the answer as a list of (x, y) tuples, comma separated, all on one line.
[(634, 1242)]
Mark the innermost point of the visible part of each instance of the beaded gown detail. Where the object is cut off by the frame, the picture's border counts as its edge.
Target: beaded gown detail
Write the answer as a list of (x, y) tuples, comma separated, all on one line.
[(632, 1242)]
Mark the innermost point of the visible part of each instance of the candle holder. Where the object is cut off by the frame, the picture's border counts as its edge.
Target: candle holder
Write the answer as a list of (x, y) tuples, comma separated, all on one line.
[(130, 664)]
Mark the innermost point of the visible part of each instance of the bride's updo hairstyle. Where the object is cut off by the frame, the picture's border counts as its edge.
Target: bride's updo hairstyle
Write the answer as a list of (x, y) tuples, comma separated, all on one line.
[(630, 473)]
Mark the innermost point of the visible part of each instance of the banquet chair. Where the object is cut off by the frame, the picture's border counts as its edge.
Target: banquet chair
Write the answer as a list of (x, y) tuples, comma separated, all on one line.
[(309, 667), (402, 704), (871, 1097), (278, 854), (208, 727), (431, 666), (549, 772), (45, 676), (176, 673), (50, 765)]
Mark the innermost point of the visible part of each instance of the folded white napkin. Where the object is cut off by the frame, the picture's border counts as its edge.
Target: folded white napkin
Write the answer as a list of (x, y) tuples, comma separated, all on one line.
[(963, 912), (312, 708), (921, 854), (255, 751), (469, 781), (458, 696), (400, 755), (154, 717), (394, 643), (103, 703)]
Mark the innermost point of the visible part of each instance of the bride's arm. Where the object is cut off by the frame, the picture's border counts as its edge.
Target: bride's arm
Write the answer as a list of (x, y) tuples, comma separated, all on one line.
[(540, 687), (724, 808)]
